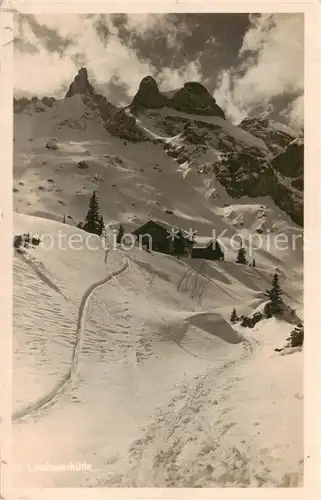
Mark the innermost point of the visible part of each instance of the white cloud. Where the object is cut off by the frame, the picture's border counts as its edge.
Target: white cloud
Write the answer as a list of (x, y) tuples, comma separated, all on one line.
[(40, 73), (156, 25), (44, 73), (170, 79), (273, 61), (295, 112), (225, 99)]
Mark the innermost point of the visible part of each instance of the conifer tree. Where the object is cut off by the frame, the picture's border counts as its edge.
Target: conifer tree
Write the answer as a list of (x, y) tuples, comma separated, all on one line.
[(241, 255), (275, 304), (253, 263), (101, 225), (233, 317), (120, 233), (93, 218)]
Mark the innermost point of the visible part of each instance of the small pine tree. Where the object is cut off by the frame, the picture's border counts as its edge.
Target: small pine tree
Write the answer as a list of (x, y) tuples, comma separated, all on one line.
[(120, 233), (233, 317), (253, 263), (275, 304), (241, 255), (93, 218)]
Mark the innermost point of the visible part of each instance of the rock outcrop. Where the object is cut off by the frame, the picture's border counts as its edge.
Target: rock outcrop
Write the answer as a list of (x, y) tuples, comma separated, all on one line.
[(80, 84), (272, 133), (290, 162), (288, 189), (124, 126), (148, 95), (281, 178), (193, 98)]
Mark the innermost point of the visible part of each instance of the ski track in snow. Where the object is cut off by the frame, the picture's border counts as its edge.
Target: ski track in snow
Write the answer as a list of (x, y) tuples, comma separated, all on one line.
[(197, 279), (51, 397), (169, 419), (41, 275)]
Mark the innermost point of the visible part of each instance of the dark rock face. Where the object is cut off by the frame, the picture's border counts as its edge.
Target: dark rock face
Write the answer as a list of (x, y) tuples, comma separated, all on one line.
[(148, 95), (290, 162), (192, 98), (124, 126), (276, 140), (288, 199), (100, 104), (243, 174), (289, 185), (80, 85), (195, 99)]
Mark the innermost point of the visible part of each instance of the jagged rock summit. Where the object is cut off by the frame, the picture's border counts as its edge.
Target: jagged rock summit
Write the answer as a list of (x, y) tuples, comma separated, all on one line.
[(80, 84), (148, 95), (82, 87), (192, 98)]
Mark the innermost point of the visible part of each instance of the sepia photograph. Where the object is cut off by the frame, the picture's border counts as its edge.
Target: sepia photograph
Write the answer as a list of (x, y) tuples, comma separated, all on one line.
[(157, 250)]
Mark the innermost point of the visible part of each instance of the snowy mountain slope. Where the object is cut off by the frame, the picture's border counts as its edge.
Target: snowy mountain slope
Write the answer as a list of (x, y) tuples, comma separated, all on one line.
[(202, 439), (127, 360), (136, 180), (243, 164), (181, 137), (159, 326)]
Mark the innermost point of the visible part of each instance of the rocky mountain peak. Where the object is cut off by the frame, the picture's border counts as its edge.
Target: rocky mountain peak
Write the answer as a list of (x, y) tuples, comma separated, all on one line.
[(192, 98), (80, 84), (148, 95)]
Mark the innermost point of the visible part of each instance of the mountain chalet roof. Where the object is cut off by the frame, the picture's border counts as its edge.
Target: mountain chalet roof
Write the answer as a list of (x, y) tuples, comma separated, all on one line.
[(165, 225), (199, 242)]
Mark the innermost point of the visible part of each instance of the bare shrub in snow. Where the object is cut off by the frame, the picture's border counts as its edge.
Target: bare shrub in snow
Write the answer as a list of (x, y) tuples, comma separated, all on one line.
[(52, 143), (25, 240), (296, 337), (82, 165), (250, 321)]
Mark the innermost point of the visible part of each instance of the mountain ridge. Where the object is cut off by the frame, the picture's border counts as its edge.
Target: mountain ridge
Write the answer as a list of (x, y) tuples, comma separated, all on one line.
[(253, 159)]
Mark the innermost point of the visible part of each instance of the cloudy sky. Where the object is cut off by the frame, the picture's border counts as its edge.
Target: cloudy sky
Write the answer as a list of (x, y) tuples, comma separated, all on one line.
[(252, 64)]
